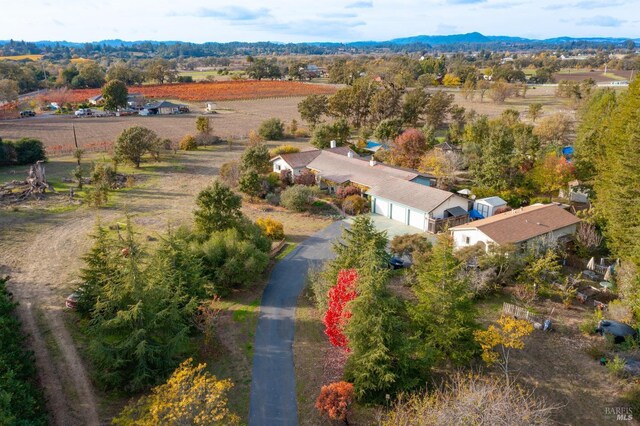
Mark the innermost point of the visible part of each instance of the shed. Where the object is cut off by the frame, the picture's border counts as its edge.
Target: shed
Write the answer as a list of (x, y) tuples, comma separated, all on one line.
[(487, 206)]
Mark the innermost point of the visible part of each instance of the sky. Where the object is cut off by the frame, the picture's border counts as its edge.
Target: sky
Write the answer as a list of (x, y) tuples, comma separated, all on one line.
[(311, 20)]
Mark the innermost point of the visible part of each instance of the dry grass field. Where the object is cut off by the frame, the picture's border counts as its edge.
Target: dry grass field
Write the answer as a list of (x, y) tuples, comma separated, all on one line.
[(21, 58), (598, 75), (544, 95), (234, 120)]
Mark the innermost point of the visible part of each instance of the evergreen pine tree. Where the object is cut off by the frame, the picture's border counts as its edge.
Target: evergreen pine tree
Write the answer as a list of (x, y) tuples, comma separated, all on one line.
[(140, 322), (444, 315), (381, 359), (101, 268)]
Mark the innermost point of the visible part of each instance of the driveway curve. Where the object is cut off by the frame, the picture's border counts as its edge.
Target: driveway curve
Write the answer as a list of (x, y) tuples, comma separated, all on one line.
[(273, 384)]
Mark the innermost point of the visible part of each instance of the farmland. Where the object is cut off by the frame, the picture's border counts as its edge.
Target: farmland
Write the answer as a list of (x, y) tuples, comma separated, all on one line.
[(598, 75), (234, 120), (218, 91), (21, 57)]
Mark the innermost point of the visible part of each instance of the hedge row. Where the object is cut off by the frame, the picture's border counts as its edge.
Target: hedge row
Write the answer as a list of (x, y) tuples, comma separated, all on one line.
[(22, 151), (21, 401)]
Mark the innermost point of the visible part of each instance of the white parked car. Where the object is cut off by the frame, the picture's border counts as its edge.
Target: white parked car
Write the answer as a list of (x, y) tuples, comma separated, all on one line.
[(83, 112)]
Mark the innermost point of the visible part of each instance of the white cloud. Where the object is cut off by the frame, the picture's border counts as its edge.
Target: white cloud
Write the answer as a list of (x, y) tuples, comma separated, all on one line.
[(306, 20)]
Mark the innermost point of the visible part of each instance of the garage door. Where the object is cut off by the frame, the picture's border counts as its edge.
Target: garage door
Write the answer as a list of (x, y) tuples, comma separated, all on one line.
[(416, 219), (381, 207), (399, 213)]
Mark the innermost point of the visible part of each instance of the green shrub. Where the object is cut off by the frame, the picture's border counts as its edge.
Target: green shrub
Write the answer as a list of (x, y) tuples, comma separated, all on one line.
[(272, 228), (28, 151), (272, 129), (616, 366), (273, 199), (7, 153), (188, 143), (231, 261), (354, 204), (596, 350), (21, 402), (589, 325), (283, 149), (298, 197)]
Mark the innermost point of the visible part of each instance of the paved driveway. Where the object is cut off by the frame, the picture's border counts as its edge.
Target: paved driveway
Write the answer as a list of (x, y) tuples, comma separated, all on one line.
[(273, 387), (395, 228)]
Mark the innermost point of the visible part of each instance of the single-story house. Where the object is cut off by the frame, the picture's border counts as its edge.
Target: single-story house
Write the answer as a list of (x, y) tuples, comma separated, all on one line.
[(486, 207), (298, 161), (96, 100), (164, 107), (401, 194), (517, 226)]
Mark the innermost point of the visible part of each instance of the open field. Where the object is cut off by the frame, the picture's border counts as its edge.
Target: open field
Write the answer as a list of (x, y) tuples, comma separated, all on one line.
[(41, 249), (235, 120), (544, 95), (203, 75), (598, 75), (218, 90), (21, 58)]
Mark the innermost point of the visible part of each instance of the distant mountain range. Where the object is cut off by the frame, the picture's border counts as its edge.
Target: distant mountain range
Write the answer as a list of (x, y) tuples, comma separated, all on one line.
[(433, 40), (480, 38)]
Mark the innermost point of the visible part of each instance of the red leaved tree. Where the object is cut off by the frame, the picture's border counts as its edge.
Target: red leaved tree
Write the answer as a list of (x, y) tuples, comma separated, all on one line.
[(337, 315), (334, 400), (408, 149)]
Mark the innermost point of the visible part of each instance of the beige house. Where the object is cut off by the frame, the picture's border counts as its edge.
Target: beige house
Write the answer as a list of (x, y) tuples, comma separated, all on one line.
[(403, 195), (516, 226)]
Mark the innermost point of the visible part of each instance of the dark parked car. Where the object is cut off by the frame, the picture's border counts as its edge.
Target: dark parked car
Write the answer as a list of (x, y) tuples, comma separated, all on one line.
[(396, 263), (27, 113)]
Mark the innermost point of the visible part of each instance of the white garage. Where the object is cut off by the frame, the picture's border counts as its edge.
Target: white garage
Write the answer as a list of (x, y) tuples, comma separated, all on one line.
[(381, 207), (416, 219), (399, 213)]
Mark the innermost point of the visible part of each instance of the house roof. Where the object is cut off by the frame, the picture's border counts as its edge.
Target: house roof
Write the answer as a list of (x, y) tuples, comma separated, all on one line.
[(522, 224), (162, 104), (383, 181), (298, 160), (95, 98), (492, 201)]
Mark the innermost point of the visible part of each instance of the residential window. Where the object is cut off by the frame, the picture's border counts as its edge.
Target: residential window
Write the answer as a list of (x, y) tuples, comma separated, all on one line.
[(277, 167), (467, 240)]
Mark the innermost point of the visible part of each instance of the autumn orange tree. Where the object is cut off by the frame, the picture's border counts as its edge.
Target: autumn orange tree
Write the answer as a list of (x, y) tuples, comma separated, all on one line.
[(190, 396), (337, 314), (553, 173), (408, 149), (497, 342), (335, 399)]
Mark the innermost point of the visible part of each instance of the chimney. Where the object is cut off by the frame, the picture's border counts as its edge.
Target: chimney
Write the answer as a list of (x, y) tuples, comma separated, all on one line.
[(333, 144), (350, 154), (372, 162)]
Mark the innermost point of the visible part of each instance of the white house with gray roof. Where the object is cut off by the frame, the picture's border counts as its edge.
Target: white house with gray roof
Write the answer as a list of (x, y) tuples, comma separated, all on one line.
[(401, 194)]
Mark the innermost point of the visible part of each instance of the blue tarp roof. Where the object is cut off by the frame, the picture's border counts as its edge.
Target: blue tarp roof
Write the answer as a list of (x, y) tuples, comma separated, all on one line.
[(475, 214), (567, 150), (372, 144)]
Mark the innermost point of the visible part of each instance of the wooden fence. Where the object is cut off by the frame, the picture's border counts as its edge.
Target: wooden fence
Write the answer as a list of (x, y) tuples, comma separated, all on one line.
[(438, 225), (518, 312)]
